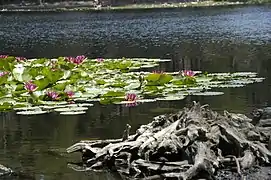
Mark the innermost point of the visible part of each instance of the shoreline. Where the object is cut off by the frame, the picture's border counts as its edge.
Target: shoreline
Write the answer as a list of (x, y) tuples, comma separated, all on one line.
[(74, 8)]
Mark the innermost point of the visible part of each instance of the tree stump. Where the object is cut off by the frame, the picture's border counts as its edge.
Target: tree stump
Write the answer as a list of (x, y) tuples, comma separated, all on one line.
[(194, 143)]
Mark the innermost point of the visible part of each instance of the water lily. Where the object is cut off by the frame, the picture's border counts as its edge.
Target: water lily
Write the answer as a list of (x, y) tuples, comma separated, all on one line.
[(76, 60), (30, 86), (70, 94), (189, 73), (3, 73), (100, 60), (69, 58), (131, 97), (53, 95), (3, 56), (131, 104), (20, 58)]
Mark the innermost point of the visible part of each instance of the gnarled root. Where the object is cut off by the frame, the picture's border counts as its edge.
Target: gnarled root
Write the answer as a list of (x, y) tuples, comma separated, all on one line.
[(193, 143)]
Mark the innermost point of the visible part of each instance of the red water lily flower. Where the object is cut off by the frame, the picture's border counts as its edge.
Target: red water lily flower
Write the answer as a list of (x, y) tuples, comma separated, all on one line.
[(189, 73), (20, 58), (30, 86), (131, 104), (70, 94), (53, 95), (76, 60), (131, 97), (3, 73), (100, 60), (3, 56)]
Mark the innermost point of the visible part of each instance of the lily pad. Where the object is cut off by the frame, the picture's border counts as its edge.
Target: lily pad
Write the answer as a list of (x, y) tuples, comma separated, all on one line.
[(72, 112), (230, 85), (245, 74), (54, 83), (170, 98), (145, 100), (68, 109), (125, 102), (31, 112), (208, 93), (149, 66), (27, 108)]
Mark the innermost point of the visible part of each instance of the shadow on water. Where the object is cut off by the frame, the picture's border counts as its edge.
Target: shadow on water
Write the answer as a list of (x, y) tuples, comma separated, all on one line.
[(213, 40)]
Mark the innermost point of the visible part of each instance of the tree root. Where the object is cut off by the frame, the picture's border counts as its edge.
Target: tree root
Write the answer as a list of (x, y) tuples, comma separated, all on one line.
[(194, 143)]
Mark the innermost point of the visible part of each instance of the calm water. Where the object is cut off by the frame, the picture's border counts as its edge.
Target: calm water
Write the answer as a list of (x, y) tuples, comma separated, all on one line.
[(208, 39)]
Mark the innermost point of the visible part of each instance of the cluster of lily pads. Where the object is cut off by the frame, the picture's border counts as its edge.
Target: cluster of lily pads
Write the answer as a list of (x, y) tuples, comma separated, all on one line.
[(69, 84)]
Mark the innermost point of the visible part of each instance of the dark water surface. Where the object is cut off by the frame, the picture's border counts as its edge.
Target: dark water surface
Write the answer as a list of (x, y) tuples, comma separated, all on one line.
[(208, 39)]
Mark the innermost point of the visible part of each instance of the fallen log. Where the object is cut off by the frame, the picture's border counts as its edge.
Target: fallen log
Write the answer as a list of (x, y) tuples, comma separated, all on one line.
[(193, 143)]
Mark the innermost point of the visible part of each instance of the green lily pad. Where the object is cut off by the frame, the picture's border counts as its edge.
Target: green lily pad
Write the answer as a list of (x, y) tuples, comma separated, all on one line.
[(149, 66), (62, 80), (35, 108), (145, 100), (125, 102), (230, 85), (68, 109), (31, 112), (257, 79), (72, 112), (170, 98), (245, 74), (208, 93)]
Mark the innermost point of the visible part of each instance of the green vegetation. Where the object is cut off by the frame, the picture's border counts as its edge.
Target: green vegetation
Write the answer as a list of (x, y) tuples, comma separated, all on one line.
[(68, 84), (128, 6)]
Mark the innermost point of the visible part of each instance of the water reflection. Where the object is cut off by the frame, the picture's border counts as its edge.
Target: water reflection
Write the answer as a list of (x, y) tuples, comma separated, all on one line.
[(213, 40)]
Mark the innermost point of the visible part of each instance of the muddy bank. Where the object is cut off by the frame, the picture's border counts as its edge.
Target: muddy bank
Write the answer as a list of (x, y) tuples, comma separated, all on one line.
[(110, 5)]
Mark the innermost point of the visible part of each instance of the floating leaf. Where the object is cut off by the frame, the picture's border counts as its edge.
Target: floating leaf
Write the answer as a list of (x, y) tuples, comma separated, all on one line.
[(170, 98), (68, 109), (106, 81), (72, 112), (32, 112), (158, 79), (31, 108), (145, 100), (114, 94), (125, 102), (245, 74), (208, 93), (229, 85)]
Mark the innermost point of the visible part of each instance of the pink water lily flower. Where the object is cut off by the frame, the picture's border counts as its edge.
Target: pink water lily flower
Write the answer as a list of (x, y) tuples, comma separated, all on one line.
[(53, 95), (3, 73), (30, 86), (3, 56), (76, 60), (100, 60), (70, 59), (131, 97), (189, 73), (20, 58), (133, 104), (70, 94)]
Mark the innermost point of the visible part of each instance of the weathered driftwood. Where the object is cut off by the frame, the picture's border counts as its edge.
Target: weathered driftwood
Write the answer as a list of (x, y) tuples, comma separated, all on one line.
[(194, 143), (5, 170), (7, 173)]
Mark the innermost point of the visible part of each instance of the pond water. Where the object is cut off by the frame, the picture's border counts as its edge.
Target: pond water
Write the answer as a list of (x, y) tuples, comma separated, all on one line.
[(208, 39)]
